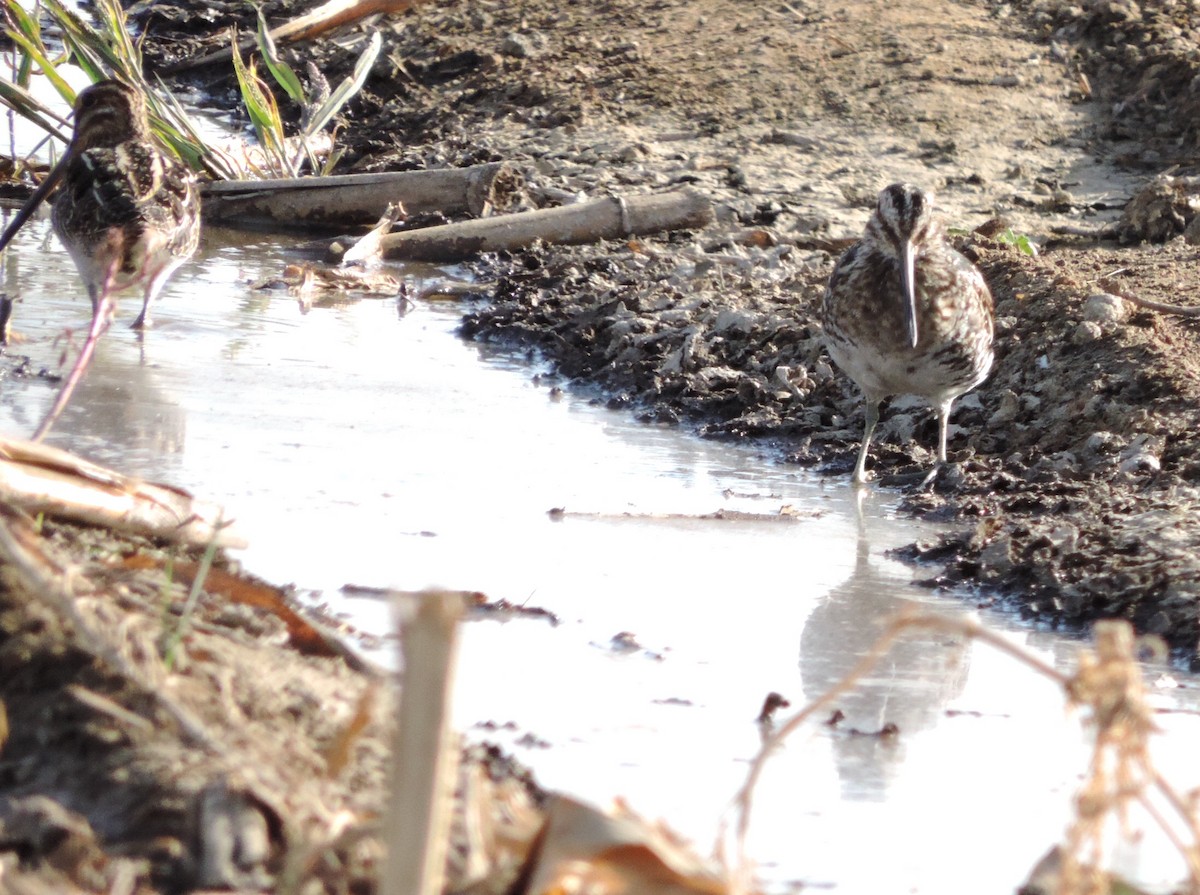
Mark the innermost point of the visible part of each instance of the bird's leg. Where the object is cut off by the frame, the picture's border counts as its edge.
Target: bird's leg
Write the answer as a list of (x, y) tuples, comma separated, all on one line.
[(150, 293), (143, 319), (943, 417), (860, 468), (6, 310), (103, 310)]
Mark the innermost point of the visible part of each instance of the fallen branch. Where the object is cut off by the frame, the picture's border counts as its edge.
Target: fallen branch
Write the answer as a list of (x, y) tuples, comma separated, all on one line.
[(42, 479), (324, 18), (613, 218), (359, 198), (1151, 305)]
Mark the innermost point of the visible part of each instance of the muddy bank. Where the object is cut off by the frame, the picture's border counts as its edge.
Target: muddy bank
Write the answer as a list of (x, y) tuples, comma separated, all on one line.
[(144, 723), (1074, 472)]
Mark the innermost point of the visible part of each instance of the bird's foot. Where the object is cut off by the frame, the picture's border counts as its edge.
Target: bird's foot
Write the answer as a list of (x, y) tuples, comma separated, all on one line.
[(944, 478)]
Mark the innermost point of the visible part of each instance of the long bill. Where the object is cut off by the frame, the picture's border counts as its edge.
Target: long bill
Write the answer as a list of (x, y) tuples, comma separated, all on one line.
[(908, 285), (31, 204)]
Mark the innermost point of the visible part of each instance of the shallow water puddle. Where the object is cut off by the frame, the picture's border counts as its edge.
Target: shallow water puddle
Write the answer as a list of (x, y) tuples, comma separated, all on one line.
[(357, 445)]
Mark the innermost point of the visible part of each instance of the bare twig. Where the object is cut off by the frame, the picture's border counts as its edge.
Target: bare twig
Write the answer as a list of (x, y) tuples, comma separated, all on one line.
[(1108, 682), (324, 18)]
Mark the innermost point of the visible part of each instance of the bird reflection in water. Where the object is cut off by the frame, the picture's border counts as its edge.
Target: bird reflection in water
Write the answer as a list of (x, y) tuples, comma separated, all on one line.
[(906, 690)]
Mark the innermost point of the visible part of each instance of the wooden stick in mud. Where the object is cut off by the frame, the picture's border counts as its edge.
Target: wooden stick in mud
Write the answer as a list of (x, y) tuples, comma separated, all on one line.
[(324, 18), (613, 218), (424, 749), (1161, 306), (357, 198)]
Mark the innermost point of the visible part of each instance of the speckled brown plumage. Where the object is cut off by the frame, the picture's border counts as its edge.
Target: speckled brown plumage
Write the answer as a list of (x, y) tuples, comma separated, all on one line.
[(127, 213), (116, 177), (904, 313)]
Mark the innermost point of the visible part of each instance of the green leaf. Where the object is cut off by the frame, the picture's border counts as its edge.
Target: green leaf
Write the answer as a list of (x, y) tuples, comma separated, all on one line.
[(1020, 240), (48, 68), (27, 24), (32, 29), (346, 90), (261, 108), (280, 70), (86, 45), (26, 105)]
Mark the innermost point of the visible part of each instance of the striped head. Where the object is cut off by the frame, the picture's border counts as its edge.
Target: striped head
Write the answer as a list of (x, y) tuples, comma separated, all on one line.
[(903, 221), (904, 215), (108, 113)]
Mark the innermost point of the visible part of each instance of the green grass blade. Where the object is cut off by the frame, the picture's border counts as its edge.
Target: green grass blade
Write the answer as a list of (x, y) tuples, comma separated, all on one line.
[(87, 46), (346, 90), (26, 105), (280, 70), (48, 68), (262, 110), (28, 25)]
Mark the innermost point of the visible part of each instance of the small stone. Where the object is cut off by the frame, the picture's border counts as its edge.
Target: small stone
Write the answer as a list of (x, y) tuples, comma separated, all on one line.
[(523, 46), (1103, 307), (1087, 331), (735, 319), (1191, 233), (1103, 443), (1142, 454), (1007, 411), (996, 558)]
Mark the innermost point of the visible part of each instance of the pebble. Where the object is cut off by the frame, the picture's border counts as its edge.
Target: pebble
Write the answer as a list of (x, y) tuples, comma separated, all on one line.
[(1007, 411), (735, 319), (523, 46), (1142, 454), (1087, 331), (1103, 307), (1103, 443), (1191, 233)]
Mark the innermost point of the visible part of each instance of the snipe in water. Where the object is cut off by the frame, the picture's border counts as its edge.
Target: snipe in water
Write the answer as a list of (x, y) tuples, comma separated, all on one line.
[(904, 313), (127, 213)]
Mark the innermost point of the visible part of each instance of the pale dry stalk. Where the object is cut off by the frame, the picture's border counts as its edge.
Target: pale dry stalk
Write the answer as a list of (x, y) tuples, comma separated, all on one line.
[(1108, 683)]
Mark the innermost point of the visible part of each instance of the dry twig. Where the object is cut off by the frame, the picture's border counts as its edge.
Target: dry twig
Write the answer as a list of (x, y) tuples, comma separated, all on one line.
[(1109, 684)]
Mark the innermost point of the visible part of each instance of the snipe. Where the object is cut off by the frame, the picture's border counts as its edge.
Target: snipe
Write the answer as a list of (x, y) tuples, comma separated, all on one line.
[(127, 213), (904, 313)]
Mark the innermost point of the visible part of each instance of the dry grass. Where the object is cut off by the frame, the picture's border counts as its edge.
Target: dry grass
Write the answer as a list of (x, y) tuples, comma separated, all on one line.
[(1108, 688)]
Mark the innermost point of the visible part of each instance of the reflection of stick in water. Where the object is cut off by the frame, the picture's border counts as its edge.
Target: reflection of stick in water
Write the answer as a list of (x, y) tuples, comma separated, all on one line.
[(1108, 683)]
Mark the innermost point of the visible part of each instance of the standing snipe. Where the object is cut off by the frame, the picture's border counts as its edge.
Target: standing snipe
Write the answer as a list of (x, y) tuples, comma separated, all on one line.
[(904, 313), (127, 213)]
